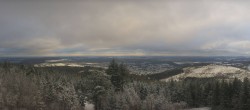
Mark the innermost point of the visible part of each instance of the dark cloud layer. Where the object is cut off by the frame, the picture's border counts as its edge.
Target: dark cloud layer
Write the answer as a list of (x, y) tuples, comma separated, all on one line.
[(48, 28)]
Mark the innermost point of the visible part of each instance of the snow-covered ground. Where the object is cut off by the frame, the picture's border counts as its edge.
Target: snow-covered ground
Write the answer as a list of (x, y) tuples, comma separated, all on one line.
[(210, 71), (58, 64), (203, 108), (89, 106), (248, 67)]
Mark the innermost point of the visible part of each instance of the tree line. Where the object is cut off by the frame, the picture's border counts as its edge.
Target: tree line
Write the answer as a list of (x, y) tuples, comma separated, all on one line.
[(64, 88)]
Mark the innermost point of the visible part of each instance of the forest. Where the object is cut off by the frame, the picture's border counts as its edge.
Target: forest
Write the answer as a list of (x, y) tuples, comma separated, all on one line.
[(66, 88)]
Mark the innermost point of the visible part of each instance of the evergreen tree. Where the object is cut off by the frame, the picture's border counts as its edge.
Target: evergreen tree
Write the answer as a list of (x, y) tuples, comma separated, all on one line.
[(225, 94), (112, 68), (216, 94), (236, 90), (244, 101), (118, 74)]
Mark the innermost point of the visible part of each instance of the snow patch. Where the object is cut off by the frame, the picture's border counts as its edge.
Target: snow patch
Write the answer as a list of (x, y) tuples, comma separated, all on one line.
[(58, 64), (210, 71), (248, 67), (89, 106), (203, 108)]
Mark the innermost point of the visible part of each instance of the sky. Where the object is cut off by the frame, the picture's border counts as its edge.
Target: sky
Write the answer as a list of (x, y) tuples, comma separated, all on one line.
[(124, 28)]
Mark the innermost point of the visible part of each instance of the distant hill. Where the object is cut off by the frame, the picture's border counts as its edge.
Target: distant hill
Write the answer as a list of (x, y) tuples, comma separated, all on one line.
[(211, 71), (166, 74), (175, 71)]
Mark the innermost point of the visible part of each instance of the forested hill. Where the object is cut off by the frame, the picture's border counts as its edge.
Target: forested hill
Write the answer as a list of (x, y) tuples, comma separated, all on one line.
[(29, 88), (176, 71), (65, 88), (211, 71)]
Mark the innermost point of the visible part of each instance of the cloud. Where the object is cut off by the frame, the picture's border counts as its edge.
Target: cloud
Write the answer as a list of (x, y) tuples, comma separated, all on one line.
[(124, 28), (238, 47)]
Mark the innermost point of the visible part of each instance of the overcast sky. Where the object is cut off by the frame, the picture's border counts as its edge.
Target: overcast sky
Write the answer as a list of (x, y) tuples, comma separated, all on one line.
[(115, 27)]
